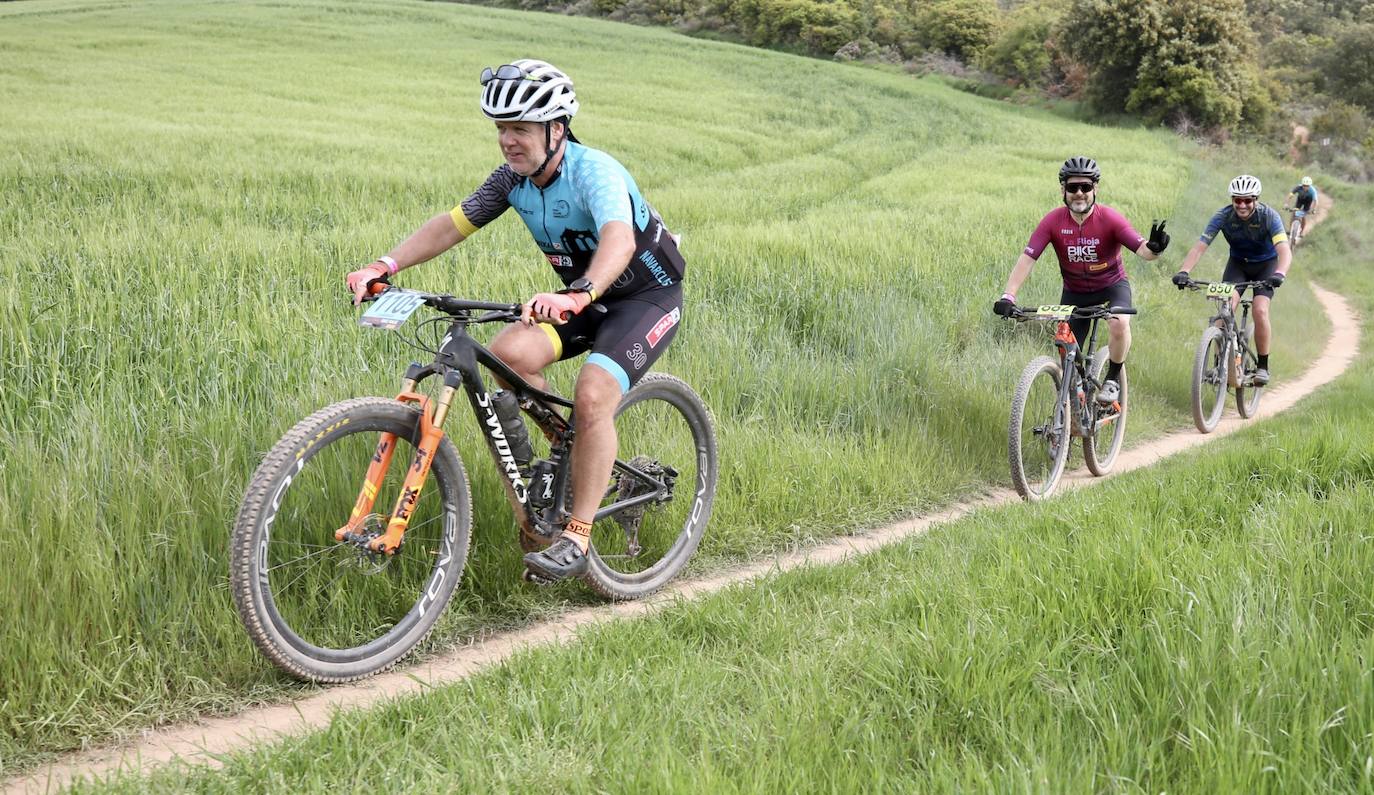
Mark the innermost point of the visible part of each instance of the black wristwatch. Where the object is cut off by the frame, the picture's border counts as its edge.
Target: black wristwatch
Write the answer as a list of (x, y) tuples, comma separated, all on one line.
[(582, 285)]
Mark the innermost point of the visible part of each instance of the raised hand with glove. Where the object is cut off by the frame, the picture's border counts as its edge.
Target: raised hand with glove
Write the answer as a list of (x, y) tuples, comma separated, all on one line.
[(1159, 239)]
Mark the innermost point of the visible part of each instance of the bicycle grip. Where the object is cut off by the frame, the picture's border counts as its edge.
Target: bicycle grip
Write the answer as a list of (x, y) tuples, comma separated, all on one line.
[(1123, 310)]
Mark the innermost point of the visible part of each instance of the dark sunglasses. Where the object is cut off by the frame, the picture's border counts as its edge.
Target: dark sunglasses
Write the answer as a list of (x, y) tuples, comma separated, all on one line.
[(1242, 200), (1079, 187), (503, 72)]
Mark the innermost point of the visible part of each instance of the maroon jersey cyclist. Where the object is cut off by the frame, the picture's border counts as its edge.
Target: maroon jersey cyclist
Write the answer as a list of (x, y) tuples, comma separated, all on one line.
[(1088, 238)]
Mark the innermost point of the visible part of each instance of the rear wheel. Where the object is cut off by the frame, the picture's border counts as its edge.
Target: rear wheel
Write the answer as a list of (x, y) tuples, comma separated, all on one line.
[(1101, 448), (667, 441), (1247, 393), (1038, 434), (1210, 368), (330, 611)]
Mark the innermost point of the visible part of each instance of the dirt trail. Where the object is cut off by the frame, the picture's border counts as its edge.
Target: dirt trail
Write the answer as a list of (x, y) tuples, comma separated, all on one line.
[(200, 743)]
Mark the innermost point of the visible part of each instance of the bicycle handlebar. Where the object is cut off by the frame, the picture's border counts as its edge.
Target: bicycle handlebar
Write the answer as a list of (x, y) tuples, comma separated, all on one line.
[(1193, 284), (1078, 313)]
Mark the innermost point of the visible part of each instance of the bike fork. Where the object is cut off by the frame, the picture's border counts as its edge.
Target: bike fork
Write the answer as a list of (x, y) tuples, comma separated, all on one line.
[(431, 434)]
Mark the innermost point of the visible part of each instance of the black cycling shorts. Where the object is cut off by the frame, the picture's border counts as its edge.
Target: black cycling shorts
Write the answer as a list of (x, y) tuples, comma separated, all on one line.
[(1238, 271), (1115, 294), (627, 338)]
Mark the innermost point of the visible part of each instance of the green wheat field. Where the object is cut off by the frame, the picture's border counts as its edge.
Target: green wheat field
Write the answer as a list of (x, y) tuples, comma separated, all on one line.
[(184, 185)]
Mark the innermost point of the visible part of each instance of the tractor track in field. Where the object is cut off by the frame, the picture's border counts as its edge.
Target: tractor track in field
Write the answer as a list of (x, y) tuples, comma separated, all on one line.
[(206, 741)]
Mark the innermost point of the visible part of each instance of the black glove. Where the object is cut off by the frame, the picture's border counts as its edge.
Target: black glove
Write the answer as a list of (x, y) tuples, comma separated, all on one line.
[(1159, 239), (1181, 279), (1004, 307), (1275, 280)]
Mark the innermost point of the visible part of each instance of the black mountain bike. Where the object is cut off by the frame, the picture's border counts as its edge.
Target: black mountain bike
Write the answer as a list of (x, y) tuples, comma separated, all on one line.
[(1225, 356), (331, 589), (1055, 401)]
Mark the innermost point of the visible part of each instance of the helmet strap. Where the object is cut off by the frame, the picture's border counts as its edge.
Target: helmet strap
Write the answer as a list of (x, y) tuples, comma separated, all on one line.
[(549, 149)]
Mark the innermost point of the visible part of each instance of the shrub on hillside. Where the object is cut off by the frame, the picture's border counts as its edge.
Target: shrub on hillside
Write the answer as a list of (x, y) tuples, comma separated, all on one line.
[(1168, 59), (961, 28), (1349, 67), (1022, 52)]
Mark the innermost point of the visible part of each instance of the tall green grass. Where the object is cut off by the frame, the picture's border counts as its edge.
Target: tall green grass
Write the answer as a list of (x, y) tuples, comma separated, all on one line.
[(183, 186), (1201, 626)]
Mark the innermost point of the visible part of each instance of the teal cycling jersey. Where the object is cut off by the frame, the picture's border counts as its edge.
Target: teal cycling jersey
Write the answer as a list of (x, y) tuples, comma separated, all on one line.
[(565, 217), (1252, 239)]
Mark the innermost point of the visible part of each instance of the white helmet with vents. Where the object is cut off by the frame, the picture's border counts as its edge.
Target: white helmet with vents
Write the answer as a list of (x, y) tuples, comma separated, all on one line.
[(527, 90), (1245, 185)]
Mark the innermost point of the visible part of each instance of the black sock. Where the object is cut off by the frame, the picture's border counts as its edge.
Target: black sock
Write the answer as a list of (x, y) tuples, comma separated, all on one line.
[(1263, 361), (1114, 371)]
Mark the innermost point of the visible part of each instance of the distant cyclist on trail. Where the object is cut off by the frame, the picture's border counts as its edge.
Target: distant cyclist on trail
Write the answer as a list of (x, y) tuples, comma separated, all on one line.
[(1304, 197), (1088, 238), (1259, 252), (606, 244)]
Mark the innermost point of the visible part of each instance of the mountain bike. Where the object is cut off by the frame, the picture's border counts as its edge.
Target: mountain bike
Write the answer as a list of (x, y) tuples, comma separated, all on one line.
[(1295, 226), (332, 589), (1055, 401), (1225, 356)]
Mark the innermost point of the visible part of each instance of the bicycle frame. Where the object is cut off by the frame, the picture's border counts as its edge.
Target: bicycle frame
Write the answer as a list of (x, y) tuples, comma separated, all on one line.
[(458, 362), (1075, 374), (1238, 330)]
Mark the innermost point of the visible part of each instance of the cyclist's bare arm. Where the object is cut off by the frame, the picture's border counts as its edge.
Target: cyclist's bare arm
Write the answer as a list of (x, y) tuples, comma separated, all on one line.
[(613, 252), (437, 235), (1145, 253), (1194, 254), (1285, 250), (1019, 272)]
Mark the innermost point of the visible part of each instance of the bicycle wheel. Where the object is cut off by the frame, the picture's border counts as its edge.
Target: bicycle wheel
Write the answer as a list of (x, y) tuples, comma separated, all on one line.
[(1248, 394), (1038, 435), (666, 433), (1099, 452), (1210, 367), (1295, 231), (328, 611)]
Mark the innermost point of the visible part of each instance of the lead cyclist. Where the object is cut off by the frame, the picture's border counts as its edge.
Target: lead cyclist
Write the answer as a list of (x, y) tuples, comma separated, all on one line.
[(605, 243)]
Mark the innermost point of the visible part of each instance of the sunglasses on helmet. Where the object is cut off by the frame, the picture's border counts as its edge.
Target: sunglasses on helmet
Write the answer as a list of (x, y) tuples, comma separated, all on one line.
[(503, 72), (1079, 187)]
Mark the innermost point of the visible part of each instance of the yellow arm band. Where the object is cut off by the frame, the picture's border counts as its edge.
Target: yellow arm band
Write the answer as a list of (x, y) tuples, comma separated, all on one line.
[(461, 222)]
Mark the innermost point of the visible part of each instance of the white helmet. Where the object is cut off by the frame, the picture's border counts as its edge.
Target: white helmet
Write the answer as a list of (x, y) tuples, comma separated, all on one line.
[(1245, 185), (527, 90)]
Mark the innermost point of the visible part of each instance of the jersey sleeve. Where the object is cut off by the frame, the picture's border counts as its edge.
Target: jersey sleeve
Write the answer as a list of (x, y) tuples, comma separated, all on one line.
[(1213, 226), (603, 188), (1039, 238), (486, 203), (1273, 223), (1126, 234)]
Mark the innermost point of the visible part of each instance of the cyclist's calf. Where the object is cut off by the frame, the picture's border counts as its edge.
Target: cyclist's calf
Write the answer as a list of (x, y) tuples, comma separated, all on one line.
[(1119, 337)]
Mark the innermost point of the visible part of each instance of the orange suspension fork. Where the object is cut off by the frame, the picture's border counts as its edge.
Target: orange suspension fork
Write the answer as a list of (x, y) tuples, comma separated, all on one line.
[(431, 434)]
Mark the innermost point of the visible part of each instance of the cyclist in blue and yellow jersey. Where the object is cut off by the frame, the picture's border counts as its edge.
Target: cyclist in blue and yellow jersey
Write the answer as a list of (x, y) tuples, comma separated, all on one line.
[(1304, 198), (605, 243), (1259, 252)]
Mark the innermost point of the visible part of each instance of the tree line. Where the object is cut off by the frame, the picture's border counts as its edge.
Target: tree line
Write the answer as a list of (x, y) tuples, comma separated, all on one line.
[(1210, 68)]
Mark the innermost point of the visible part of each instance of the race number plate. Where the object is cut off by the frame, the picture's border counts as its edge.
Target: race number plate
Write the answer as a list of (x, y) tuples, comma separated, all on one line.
[(1220, 288), (1056, 311), (392, 308)]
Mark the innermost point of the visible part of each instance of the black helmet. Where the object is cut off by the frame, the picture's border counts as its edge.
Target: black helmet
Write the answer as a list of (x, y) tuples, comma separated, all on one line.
[(1079, 167)]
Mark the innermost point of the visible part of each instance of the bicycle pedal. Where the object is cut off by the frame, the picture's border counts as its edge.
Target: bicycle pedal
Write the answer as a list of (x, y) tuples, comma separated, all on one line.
[(531, 577)]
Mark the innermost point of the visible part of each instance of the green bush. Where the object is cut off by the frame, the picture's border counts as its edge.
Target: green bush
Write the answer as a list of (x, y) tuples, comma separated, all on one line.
[(962, 28), (1169, 60), (1021, 53), (1349, 67)]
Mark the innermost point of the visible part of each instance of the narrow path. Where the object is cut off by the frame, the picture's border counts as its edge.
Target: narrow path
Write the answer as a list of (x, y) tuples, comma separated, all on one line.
[(200, 743)]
